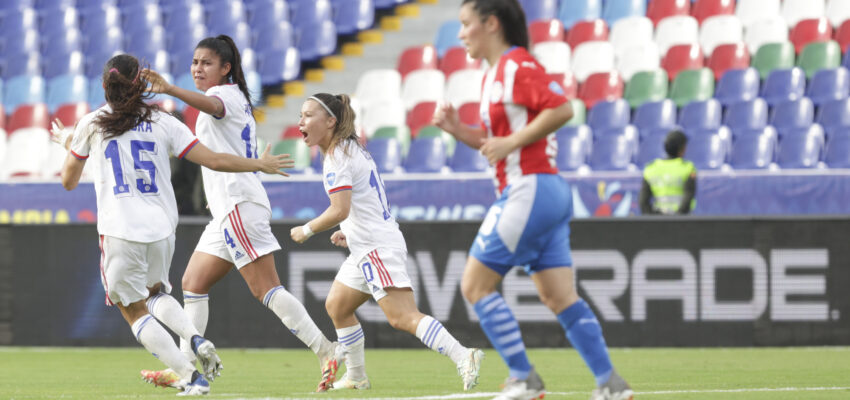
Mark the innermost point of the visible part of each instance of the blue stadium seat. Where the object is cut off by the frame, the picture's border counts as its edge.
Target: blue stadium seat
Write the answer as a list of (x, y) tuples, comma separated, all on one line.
[(14, 4), (386, 152), (249, 59), (738, 85), (63, 42), (267, 12), (99, 18), (574, 11), (276, 36), (15, 21), (185, 38), (240, 33), (95, 62), (145, 44), (61, 64), (707, 152), (96, 93), (612, 153), (784, 85), (829, 84), (609, 114), (64, 17), (426, 154), (706, 114), (385, 4), (140, 17), (48, 4), (838, 152), (747, 115), (160, 61), (21, 64), (614, 10), (539, 9), (651, 148), (27, 41), (574, 146), (310, 12), (754, 149), (108, 41), (447, 37), (277, 66), (86, 4), (793, 115), (801, 147), (24, 89), (834, 116), (255, 86), (225, 15), (467, 159), (352, 16), (655, 114), (178, 15), (66, 89), (132, 3), (316, 41)]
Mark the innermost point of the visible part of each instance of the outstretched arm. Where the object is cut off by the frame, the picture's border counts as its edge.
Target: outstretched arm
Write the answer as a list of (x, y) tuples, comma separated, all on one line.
[(268, 163), (207, 104)]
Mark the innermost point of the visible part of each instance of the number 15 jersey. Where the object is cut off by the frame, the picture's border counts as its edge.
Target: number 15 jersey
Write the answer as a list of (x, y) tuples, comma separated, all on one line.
[(369, 224)]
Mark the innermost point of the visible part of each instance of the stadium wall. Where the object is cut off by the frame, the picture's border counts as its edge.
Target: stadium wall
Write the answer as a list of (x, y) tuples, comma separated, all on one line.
[(651, 281)]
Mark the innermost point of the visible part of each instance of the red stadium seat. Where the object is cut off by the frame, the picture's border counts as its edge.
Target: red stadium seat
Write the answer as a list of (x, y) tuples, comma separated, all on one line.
[(682, 57), (703, 9), (70, 114), (456, 59), (291, 132), (729, 56), (29, 116), (417, 57), (546, 31), (843, 36), (660, 9), (601, 86), (420, 116), (586, 31), (810, 30), (468, 113), (190, 116), (568, 82), (2, 119)]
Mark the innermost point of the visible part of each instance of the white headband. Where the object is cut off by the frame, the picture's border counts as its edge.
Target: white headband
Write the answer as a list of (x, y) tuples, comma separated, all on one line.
[(322, 103)]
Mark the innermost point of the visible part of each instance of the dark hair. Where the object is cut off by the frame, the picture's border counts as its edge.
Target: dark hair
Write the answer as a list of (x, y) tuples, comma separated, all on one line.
[(510, 16), (226, 49), (125, 91), (674, 143), (344, 128)]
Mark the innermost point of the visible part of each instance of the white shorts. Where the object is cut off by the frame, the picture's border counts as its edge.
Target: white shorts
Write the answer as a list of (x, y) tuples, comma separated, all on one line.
[(381, 268), (241, 237), (128, 269)]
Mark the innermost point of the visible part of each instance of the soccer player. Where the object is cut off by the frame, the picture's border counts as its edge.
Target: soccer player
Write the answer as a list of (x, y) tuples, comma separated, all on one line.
[(239, 234), (376, 266), (528, 225), (129, 143)]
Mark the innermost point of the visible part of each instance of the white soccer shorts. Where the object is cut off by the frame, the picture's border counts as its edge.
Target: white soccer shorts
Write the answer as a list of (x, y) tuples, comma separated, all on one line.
[(380, 268), (242, 237), (128, 269)]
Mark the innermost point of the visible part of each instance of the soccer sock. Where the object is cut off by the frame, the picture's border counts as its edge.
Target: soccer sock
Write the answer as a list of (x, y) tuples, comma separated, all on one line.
[(502, 328), (432, 334), (352, 340), (197, 307), (295, 317), (158, 342), (585, 334), (168, 311)]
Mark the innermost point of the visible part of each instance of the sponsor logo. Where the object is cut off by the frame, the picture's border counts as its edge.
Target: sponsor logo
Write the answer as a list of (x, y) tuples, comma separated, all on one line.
[(239, 254)]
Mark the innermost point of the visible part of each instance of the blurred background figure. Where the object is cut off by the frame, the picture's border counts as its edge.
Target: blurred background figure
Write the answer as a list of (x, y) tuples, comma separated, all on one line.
[(669, 185)]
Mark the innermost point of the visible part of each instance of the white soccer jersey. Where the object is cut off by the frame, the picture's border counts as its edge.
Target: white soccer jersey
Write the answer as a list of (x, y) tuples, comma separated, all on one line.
[(369, 224), (135, 200), (234, 133)]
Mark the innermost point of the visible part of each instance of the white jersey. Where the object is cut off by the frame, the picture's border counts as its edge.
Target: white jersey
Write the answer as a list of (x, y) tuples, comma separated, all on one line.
[(135, 200), (234, 133), (369, 224)]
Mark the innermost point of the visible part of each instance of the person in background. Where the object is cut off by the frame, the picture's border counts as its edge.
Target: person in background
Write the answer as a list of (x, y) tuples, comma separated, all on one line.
[(670, 184)]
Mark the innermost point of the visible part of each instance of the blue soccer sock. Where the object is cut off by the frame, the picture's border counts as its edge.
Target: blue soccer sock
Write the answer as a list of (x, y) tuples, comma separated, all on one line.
[(585, 334), (502, 328)]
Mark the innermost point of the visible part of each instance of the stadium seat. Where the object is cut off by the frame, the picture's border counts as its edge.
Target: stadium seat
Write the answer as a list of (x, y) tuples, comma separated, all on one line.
[(810, 31), (23, 89), (184, 39), (568, 82), (141, 17), (574, 11), (316, 41), (638, 58), (464, 86), (18, 20), (658, 10), (66, 89), (386, 4), (29, 116), (423, 85), (574, 146), (766, 31), (420, 116), (837, 11), (729, 57), (682, 29), (587, 31), (448, 140), (655, 116), (21, 159), (795, 11), (16, 65), (754, 150), (651, 148), (601, 86), (191, 14), (71, 113), (398, 132), (387, 113), (58, 18), (609, 114), (539, 9), (467, 159), (96, 96), (834, 116), (773, 56), (548, 30), (646, 86), (27, 41), (705, 9), (309, 12), (554, 56), (377, 84), (142, 44), (791, 115), (63, 64), (109, 41), (61, 42), (720, 30), (615, 10), (455, 58), (631, 31), (682, 57), (749, 11), (829, 84), (291, 132), (276, 66), (737, 85), (701, 115), (614, 152), (468, 113), (801, 147), (838, 152), (784, 85), (592, 57), (386, 152), (297, 150), (842, 36), (819, 55), (579, 113), (99, 19), (707, 151), (190, 117), (351, 17), (692, 85), (417, 57), (447, 37), (427, 154)]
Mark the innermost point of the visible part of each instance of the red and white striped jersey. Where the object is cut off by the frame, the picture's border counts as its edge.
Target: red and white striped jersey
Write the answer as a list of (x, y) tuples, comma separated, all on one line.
[(514, 92)]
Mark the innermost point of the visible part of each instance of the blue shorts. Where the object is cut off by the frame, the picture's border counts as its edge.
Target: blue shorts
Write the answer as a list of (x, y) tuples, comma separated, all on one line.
[(527, 226)]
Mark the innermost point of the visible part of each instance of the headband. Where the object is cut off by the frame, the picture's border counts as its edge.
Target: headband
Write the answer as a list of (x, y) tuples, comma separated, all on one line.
[(322, 103)]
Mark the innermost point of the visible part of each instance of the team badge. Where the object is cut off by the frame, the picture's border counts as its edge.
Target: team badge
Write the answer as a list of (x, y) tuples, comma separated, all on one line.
[(331, 178), (556, 88)]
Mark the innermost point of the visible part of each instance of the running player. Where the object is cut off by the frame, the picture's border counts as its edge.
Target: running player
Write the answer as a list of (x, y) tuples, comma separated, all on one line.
[(376, 266)]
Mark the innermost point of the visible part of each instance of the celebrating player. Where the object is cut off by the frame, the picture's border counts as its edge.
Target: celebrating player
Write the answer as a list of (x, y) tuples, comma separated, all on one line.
[(130, 142), (376, 265), (239, 234), (528, 225)]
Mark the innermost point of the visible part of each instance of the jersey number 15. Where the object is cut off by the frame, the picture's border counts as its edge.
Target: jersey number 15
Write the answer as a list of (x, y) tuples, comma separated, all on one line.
[(113, 154)]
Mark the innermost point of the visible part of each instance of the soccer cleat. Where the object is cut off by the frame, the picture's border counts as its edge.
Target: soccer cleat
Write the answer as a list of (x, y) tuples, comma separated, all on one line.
[(529, 388), (346, 383), (330, 365), (469, 368), (197, 386), (164, 378), (210, 362), (615, 389)]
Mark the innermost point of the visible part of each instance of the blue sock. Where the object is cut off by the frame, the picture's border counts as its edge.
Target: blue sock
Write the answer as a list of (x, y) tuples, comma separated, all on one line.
[(585, 334), (502, 329)]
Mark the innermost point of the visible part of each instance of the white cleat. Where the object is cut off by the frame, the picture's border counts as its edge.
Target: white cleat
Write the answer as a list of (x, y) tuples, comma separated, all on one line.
[(527, 389), (163, 378), (345, 383), (469, 369), (197, 387), (210, 362), (329, 365)]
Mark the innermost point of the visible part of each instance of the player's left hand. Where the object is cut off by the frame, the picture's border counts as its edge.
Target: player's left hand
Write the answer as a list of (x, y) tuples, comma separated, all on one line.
[(272, 164), (495, 149), (59, 134), (297, 234), (338, 238)]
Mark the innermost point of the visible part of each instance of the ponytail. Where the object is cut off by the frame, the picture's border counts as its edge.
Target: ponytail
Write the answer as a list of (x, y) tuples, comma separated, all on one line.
[(125, 91), (227, 51), (340, 106)]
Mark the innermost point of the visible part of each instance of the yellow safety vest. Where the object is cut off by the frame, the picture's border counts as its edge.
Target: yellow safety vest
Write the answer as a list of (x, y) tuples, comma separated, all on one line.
[(666, 178)]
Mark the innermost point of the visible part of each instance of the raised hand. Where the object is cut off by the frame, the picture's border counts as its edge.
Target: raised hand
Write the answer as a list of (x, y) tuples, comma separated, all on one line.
[(272, 164), (59, 134), (158, 83)]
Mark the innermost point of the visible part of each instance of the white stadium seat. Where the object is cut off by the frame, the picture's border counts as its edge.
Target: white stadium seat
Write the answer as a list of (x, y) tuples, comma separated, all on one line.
[(637, 58), (592, 57), (387, 112), (554, 56), (838, 11), (422, 85), (26, 152), (630, 31), (464, 86), (681, 29), (720, 29), (795, 11), (749, 11), (763, 31), (378, 84)]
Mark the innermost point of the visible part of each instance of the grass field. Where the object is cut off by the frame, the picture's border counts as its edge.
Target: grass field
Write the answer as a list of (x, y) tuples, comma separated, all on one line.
[(762, 373)]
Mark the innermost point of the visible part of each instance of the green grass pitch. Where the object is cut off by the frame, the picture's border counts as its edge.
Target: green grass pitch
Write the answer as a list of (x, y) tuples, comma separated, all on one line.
[(730, 373)]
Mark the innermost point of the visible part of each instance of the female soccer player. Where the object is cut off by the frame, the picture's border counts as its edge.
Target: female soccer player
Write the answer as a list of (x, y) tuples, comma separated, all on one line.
[(239, 234), (130, 142), (528, 225), (376, 265)]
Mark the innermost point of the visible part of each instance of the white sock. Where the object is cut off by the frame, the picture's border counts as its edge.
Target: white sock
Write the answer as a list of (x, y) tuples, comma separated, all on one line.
[(295, 317), (168, 311), (157, 341), (197, 308), (432, 334), (353, 341)]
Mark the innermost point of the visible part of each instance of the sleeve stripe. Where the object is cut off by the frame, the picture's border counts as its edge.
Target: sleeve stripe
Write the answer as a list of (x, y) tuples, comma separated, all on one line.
[(339, 189), (222, 106), (189, 147), (79, 157)]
